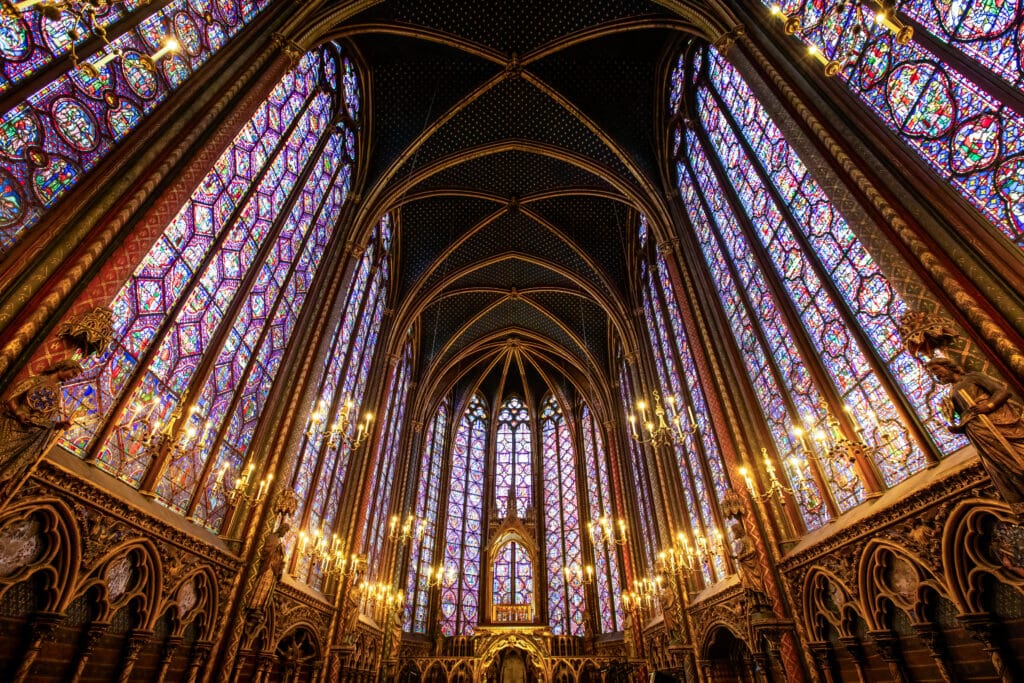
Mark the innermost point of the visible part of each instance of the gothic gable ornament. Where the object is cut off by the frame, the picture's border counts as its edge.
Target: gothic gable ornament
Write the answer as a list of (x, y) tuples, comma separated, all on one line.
[(91, 332)]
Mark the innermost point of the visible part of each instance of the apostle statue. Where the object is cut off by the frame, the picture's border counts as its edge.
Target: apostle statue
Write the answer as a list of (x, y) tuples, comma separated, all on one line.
[(31, 419), (983, 409), (272, 561), (749, 568)]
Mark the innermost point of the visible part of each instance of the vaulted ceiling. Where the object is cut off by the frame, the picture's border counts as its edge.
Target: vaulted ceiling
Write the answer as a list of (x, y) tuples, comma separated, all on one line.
[(515, 143)]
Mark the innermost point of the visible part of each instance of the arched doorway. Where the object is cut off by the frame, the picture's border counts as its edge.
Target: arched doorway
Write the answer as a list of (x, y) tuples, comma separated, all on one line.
[(298, 656), (727, 658), (512, 665)]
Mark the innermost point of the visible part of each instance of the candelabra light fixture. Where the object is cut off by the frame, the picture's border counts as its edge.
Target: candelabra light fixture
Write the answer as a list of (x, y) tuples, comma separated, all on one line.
[(412, 527), (436, 576), (776, 489), (319, 549), (339, 432), (849, 25), (644, 593), (575, 575), (683, 555), (661, 424), (241, 487), (381, 595), (829, 446), (604, 530), (158, 435)]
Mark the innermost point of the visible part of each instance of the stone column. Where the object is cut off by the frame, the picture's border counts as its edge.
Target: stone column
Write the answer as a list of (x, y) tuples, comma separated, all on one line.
[(981, 628), (85, 649), (888, 644), (44, 624)]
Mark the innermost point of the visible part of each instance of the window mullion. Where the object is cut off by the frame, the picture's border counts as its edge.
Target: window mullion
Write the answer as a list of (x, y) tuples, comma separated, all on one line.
[(145, 359), (744, 298), (870, 352), (236, 398)]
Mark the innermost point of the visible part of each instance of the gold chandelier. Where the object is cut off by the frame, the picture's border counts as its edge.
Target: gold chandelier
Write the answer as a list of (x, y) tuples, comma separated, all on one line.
[(84, 14), (338, 433), (848, 24), (662, 424)]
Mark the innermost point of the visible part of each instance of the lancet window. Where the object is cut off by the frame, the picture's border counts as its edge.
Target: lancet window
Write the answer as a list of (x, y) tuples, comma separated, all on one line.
[(952, 93), (701, 470), (641, 477), (204, 322), (428, 495), (460, 598), (806, 301), (562, 535), (514, 458), (382, 483), (606, 561), (62, 128), (325, 452)]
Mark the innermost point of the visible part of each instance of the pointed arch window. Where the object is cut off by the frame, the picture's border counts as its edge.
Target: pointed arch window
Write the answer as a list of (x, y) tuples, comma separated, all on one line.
[(62, 128), (934, 93), (323, 460), (460, 597), (203, 323), (382, 482), (702, 472), (798, 285), (642, 482), (599, 494), (512, 581), (563, 545), (428, 494), (513, 458)]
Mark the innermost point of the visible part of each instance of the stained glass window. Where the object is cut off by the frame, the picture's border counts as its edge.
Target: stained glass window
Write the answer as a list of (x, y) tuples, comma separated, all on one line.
[(427, 497), (323, 461), (827, 276), (702, 472), (960, 125), (642, 482), (460, 598), (512, 576), (513, 458), (566, 599), (382, 483), (606, 562), (205, 319), (67, 125)]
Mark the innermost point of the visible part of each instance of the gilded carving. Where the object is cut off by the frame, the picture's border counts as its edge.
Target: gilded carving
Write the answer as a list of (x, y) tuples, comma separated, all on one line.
[(31, 419), (983, 409), (923, 334), (91, 332)]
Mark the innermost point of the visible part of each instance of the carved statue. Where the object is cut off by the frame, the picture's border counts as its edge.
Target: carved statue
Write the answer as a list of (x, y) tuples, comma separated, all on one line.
[(272, 561), (395, 619), (31, 420), (588, 629), (983, 409), (671, 613), (350, 616), (749, 568), (628, 637)]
